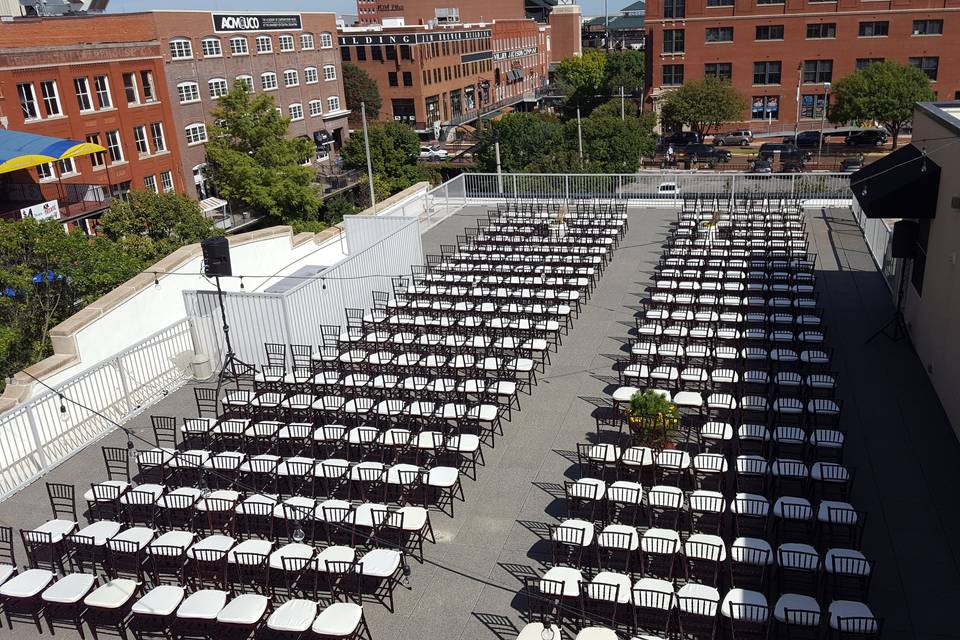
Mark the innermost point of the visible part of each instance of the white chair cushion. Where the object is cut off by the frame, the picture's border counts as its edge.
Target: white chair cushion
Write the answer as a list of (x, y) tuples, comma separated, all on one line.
[(794, 602), (294, 616), (112, 595), (202, 605), (534, 631), (339, 619), (747, 597), (379, 563), (849, 609), (27, 584), (69, 589), (159, 601), (245, 609)]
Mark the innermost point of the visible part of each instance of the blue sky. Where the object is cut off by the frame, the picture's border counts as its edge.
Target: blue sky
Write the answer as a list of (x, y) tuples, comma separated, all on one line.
[(590, 7)]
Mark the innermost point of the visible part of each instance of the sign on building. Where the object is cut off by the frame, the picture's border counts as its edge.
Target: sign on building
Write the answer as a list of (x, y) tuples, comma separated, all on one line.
[(233, 22), (49, 210)]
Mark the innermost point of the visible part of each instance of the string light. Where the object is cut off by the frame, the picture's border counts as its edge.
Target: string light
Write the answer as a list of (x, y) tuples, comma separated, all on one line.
[(241, 283), (298, 535), (63, 406), (156, 280), (547, 633)]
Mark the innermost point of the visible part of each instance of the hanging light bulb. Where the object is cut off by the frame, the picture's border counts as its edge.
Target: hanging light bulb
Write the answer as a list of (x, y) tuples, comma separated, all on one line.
[(156, 280), (323, 284), (241, 283), (131, 450), (298, 534), (864, 191), (547, 633), (63, 405), (406, 574)]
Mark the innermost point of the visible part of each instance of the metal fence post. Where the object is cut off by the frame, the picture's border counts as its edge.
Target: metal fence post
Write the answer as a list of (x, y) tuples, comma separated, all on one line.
[(32, 421), (125, 385), (566, 187)]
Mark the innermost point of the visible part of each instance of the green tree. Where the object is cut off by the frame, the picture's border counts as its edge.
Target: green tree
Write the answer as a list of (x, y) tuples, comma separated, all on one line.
[(612, 144), (583, 79), (703, 105), (885, 92), (151, 225), (524, 138), (626, 69), (359, 87), (253, 161), (394, 155)]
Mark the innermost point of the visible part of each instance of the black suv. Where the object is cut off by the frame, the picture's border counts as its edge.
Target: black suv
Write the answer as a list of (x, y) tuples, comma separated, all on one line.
[(700, 152), (804, 139), (773, 151), (681, 139), (866, 138)]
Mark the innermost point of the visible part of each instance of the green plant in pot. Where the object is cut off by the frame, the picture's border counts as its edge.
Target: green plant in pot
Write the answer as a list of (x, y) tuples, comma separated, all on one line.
[(654, 420)]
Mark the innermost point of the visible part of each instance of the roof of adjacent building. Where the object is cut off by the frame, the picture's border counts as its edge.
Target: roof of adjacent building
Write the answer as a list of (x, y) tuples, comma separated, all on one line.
[(640, 5), (621, 23)]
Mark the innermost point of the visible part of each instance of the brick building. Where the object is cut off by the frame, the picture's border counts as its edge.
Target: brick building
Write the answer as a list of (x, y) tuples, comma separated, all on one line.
[(97, 79), (780, 53), (427, 12), (446, 75), (293, 57)]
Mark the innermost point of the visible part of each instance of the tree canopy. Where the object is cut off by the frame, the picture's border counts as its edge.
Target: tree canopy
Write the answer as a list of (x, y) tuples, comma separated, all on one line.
[(583, 78), (252, 160), (625, 69), (151, 225), (359, 87), (394, 155), (885, 92), (524, 137), (612, 144), (703, 105)]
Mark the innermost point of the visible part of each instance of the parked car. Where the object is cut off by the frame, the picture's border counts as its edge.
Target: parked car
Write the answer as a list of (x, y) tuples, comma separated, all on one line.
[(668, 190), (681, 139), (804, 139), (433, 153), (700, 152), (791, 166), (849, 165), (742, 137), (776, 151), (866, 138), (761, 166)]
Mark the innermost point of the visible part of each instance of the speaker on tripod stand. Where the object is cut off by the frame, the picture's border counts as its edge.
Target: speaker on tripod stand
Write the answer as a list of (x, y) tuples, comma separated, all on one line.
[(216, 264), (903, 246)]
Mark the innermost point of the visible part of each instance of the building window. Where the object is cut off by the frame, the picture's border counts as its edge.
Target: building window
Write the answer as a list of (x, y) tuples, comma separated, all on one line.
[(156, 135), (673, 41), (812, 105), (101, 85), (361, 54), (863, 63), (874, 29), (392, 79), (720, 34), (166, 181), (377, 53), (770, 32), (672, 75), (264, 44), (181, 49), (821, 30), (761, 2), (211, 48), (767, 72), (926, 64), (146, 84), (329, 72), (96, 159), (722, 70), (310, 75), (345, 54), (245, 81), (765, 108), (150, 183), (196, 133), (927, 27), (333, 103), (306, 41), (326, 40), (817, 71), (268, 81), (130, 88), (28, 101), (188, 92), (391, 51), (45, 171), (238, 46), (291, 78), (674, 8), (140, 139), (296, 111), (408, 78), (286, 42), (114, 148), (316, 108), (81, 86), (51, 99), (66, 167), (218, 87), (719, 3), (405, 52)]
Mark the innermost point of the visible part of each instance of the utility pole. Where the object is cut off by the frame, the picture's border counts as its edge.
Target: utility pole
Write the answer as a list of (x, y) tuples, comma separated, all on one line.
[(496, 151), (796, 126), (579, 135), (823, 117), (366, 146), (621, 102), (606, 27)]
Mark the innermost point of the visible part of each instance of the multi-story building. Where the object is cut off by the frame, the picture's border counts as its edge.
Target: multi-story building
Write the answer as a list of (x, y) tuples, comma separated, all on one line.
[(292, 57), (780, 54), (440, 75), (95, 79)]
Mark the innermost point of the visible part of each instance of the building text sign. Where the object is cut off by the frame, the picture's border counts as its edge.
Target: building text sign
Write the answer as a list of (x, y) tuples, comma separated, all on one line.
[(49, 210), (232, 22), (497, 56), (411, 38)]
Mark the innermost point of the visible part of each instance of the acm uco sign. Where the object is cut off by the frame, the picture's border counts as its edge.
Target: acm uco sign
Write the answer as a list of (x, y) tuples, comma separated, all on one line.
[(234, 22)]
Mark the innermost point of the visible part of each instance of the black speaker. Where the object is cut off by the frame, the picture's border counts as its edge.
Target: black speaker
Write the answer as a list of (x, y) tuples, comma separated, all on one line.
[(216, 257), (904, 241)]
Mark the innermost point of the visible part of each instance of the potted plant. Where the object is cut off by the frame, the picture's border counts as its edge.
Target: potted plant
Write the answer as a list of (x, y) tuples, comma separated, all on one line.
[(653, 419)]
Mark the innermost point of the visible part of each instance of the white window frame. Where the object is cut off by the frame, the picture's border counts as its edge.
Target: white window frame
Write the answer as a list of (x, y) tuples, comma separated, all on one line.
[(316, 108), (310, 75), (103, 92), (115, 146), (221, 83), (333, 103), (326, 40), (235, 46), (33, 113), (140, 140), (264, 44), (53, 99), (181, 49), (290, 111), (98, 159), (166, 181), (136, 88), (81, 88), (146, 82), (156, 134), (329, 72), (286, 43), (150, 183), (306, 41), (197, 131), (263, 83), (67, 167), (46, 172), (296, 78), (214, 45), (194, 92)]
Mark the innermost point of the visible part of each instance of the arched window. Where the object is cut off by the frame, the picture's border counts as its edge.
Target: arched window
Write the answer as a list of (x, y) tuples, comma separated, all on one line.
[(188, 92), (306, 41), (329, 72), (268, 81), (264, 44), (286, 42), (181, 49), (333, 103), (310, 75), (296, 111), (316, 108), (211, 48), (238, 46), (196, 133), (291, 78), (246, 81), (326, 40), (218, 87)]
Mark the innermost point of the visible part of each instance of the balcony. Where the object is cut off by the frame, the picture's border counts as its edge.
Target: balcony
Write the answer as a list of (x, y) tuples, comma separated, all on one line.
[(60, 201)]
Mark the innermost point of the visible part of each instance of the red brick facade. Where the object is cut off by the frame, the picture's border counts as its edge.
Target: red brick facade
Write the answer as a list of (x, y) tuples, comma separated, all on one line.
[(430, 11), (798, 42)]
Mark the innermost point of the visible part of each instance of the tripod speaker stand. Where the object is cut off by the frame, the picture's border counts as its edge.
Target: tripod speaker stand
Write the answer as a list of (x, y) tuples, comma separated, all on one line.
[(216, 264), (903, 246)]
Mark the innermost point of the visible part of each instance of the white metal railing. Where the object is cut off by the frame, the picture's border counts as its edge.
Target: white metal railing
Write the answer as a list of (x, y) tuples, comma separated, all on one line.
[(43, 432), (878, 235)]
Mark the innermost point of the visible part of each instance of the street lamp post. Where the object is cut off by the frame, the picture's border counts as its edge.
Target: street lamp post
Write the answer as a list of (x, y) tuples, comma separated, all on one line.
[(796, 126), (823, 117)]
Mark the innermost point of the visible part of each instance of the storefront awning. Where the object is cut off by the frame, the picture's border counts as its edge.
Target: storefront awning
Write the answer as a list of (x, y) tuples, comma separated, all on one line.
[(902, 184), (212, 204), (21, 150)]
